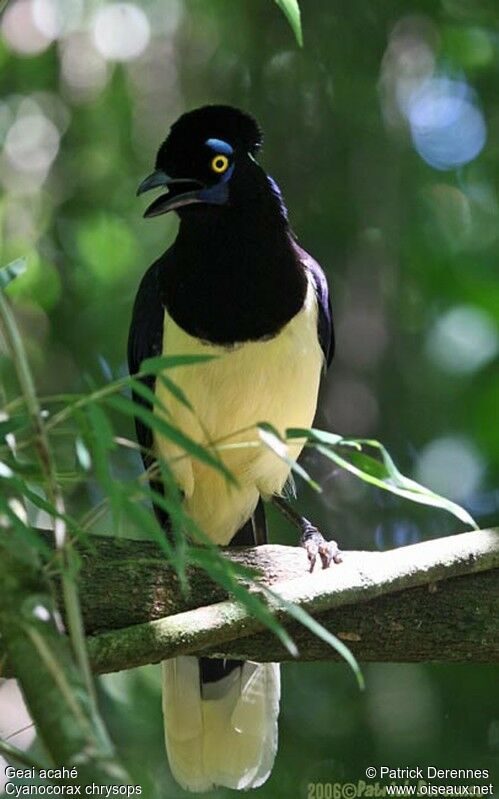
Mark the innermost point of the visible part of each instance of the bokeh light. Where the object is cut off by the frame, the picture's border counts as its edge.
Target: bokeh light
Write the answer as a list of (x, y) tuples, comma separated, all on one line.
[(20, 30), (121, 31), (448, 129), (463, 339), (392, 709), (55, 18), (30, 147), (83, 69), (418, 92), (451, 466), (409, 60)]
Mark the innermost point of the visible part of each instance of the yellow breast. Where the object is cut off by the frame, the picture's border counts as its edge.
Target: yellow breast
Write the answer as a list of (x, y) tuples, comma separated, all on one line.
[(273, 381)]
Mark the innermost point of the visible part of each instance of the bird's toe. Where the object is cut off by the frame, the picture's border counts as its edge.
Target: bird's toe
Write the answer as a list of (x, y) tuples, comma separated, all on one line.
[(329, 553), (315, 544)]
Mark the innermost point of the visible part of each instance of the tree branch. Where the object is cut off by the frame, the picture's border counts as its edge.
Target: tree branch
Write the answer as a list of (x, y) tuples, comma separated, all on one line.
[(434, 601), (53, 686), (438, 600)]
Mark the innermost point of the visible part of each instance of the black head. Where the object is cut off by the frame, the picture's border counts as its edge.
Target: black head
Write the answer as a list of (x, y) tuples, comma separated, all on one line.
[(202, 154)]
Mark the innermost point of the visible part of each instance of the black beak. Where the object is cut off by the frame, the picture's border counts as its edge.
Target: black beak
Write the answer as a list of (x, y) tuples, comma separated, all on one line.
[(170, 201)]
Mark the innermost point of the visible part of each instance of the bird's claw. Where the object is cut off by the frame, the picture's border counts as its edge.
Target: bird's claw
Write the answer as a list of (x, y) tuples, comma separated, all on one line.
[(315, 544)]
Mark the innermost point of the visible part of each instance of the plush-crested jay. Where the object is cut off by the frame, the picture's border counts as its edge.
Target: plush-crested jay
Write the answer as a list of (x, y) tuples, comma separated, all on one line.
[(234, 284)]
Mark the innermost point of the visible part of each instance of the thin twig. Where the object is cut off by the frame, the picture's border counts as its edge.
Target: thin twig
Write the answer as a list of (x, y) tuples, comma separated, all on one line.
[(44, 452), (13, 753), (18, 732)]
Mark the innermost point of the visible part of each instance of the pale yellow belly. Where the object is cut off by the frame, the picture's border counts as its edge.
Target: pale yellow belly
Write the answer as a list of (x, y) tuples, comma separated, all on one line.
[(275, 381)]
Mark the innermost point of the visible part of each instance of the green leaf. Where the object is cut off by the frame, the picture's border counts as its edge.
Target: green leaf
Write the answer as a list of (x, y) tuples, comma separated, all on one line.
[(12, 424), (40, 502), (271, 438), (152, 397), (172, 433), (312, 434), (380, 473), (100, 441), (376, 473), (147, 394), (222, 572), (291, 11), (18, 538), (17, 755), (181, 524), (175, 391), (11, 271), (416, 488), (98, 435), (5, 471), (29, 470), (174, 508), (319, 631), (147, 522), (83, 455), (151, 366)]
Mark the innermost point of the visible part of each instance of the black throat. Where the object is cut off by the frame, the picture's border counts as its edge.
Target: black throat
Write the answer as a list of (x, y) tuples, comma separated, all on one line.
[(233, 273)]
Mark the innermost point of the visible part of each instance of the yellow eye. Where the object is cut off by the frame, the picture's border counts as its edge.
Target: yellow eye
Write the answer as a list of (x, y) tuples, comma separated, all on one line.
[(220, 164)]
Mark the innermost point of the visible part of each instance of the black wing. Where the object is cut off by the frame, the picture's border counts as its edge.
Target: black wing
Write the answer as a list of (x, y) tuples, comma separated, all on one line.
[(145, 340), (325, 327)]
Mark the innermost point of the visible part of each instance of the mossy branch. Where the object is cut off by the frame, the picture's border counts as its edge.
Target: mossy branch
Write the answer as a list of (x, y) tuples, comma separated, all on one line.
[(437, 601)]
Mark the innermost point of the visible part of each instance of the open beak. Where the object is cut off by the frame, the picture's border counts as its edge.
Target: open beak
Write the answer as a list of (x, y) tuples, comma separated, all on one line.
[(181, 192)]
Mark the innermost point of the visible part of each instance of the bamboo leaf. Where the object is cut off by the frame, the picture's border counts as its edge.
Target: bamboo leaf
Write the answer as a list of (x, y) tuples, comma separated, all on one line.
[(271, 438), (175, 391), (147, 522), (157, 364), (348, 453), (320, 631), (291, 11), (21, 540), (12, 424), (11, 271), (42, 503), (101, 442), (372, 471), (172, 433), (12, 753), (150, 366), (83, 455), (220, 570), (312, 434), (5, 471), (147, 394)]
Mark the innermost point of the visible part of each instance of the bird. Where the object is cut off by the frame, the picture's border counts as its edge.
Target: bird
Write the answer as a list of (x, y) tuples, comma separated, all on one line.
[(235, 285)]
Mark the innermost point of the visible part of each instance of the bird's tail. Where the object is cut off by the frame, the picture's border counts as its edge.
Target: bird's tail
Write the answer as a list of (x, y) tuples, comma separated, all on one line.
[(220, 721)]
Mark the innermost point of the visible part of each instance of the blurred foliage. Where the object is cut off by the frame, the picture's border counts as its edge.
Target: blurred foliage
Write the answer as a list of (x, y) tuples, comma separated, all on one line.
[(382, 132)]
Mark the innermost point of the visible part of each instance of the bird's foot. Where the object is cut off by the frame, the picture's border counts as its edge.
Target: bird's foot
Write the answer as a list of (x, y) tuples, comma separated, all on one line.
[(315, 544)]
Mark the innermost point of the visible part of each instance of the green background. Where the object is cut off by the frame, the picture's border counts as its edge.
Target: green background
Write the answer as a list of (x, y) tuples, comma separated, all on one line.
[(412, 257)]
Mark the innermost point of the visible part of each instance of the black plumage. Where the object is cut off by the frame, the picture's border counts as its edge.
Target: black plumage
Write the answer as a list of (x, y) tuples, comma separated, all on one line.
[(234, 275)]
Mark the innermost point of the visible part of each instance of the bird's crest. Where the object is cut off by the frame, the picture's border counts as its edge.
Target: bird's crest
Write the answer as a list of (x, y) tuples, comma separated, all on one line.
[(215, 121)]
